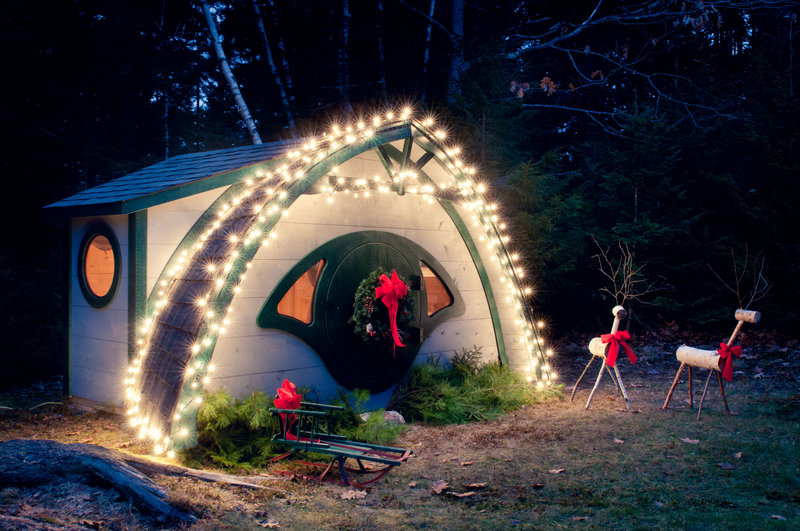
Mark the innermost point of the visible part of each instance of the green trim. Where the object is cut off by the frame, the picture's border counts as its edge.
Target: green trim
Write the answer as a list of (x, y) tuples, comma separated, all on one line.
[(393, 152), (99, 229), (423, 160), (137, 275), (69, 262), (484, 276), (404, 158)]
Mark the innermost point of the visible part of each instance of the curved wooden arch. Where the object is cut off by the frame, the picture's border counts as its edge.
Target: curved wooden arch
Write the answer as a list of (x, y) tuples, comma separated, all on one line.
[(194, 291)]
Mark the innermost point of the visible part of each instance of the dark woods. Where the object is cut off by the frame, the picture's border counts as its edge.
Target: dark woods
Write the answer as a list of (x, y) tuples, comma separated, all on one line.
[(668, 126)]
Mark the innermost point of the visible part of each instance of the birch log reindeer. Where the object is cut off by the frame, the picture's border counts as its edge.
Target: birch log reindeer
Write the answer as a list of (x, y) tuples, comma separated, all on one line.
[(720, 362), (607, 347), (716, 361)]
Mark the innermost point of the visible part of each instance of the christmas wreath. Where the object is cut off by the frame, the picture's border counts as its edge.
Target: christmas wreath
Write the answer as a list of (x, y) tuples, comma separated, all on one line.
[(372, 317)]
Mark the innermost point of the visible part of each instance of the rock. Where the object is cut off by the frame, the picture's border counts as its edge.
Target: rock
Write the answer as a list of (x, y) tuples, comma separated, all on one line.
[(390, 417)]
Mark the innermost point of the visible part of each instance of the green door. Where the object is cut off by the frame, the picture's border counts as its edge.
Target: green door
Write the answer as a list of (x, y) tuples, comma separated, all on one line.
[(347, 261), (369, 365)]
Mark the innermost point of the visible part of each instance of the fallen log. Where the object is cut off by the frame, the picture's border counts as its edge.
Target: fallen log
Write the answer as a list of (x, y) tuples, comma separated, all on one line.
[(39, 462), (149, 466)]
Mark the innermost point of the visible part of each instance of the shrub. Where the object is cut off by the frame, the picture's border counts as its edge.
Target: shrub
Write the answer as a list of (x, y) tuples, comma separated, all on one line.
[(462, 390)]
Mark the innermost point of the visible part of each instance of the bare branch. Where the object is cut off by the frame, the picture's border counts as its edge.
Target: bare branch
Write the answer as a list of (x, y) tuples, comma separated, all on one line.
[(624, 276), (759, 286)]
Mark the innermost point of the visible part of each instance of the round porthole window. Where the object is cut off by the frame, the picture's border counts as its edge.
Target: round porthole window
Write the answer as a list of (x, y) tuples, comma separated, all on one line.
[(99, 265)]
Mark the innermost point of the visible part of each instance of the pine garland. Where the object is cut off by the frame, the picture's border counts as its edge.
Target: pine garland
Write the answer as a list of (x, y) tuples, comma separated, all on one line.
[(371, 318)]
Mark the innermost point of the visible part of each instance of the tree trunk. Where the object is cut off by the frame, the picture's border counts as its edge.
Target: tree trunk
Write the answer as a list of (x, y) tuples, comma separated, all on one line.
[(284, 63), (457, 57), (166, 125), (284, 99), (344, 60), (226, 71), (427, 55), (382, 55)]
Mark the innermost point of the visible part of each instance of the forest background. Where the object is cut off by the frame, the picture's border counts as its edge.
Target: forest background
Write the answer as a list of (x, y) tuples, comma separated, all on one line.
[(669, 127)]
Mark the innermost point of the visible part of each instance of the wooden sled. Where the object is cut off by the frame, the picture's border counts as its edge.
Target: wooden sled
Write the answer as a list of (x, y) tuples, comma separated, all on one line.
[(308, 430)]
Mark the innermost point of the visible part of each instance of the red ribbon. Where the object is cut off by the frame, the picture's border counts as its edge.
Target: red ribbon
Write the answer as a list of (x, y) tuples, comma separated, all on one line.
[(727, 353), (390, 292), (288, 399), (617, 339)]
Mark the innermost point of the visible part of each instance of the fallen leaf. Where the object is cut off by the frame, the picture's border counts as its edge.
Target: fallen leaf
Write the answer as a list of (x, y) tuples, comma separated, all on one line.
[(738, 455), (476, 486), (270, 524), (467, 463), (412, 484), (461, 494), (635, 411), (439, 485), (353, 494), (687, 440), (557, 470), (618, 441), (726, 465), (778, 517), (579, 518), (93, 524), (507, 460), (537, 486)]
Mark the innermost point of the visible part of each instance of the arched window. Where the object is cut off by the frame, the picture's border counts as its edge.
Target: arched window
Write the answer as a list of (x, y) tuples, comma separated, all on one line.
[(99, 265), (298, 301), (438, 295)]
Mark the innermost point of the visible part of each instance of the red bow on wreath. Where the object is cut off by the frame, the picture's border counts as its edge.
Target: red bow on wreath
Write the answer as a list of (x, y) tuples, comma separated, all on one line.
[(727, 353), (288, 399), (390, 292), (618, 339)]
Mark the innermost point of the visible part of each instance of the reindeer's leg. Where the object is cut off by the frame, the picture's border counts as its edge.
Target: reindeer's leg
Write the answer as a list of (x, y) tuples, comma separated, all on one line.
[(703, 397), (597, 383), (674, 383), (691, 393), (581, 378), (622, 387), (722, 391)]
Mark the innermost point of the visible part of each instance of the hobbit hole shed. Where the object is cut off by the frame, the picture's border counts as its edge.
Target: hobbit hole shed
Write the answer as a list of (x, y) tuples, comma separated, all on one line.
[(237, 268)]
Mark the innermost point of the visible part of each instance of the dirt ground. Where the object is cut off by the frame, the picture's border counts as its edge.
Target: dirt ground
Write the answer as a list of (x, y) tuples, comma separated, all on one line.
[(551, 465)]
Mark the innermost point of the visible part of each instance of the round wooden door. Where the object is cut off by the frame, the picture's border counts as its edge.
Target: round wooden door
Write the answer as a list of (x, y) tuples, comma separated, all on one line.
[(338, 268), (366, 365)]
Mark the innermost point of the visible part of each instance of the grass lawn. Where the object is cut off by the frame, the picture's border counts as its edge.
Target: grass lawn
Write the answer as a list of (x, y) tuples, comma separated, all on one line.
[(547, 466)]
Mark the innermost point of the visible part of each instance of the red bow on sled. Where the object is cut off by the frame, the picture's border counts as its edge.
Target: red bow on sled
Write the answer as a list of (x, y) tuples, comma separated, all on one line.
[(617, 339), (727, 353), (288, 399), (390, 292)]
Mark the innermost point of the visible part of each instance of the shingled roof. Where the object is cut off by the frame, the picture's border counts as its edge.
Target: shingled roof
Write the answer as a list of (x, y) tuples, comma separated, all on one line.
[(169, 180)]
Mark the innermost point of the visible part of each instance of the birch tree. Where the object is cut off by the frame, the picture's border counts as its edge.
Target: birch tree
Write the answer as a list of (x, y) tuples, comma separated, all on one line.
[(244, 112)]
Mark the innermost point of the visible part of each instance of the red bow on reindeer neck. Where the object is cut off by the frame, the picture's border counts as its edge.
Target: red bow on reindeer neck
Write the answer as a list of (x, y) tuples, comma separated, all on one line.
[(288, 399), (617, 339), (390, 292), (727, 353)]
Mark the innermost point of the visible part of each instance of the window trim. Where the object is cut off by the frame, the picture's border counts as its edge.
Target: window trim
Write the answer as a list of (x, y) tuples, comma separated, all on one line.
[(94, 230)]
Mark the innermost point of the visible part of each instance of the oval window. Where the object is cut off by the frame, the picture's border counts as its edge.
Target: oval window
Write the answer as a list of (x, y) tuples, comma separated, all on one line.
[(99, 265)]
